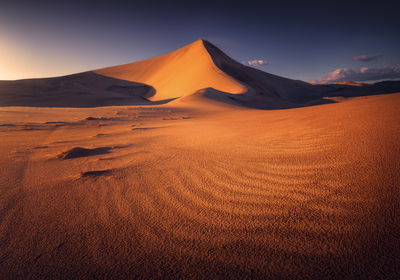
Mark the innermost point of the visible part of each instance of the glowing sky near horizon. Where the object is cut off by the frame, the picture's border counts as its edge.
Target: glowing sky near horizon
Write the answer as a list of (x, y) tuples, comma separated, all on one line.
[(306, 40)]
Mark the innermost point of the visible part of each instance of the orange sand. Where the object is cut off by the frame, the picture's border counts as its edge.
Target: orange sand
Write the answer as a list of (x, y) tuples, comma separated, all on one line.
[(176, 74), (194, 189)]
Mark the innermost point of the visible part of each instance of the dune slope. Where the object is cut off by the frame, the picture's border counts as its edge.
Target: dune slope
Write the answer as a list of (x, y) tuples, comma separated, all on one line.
[(197, 67), (177, 74), (202, 65), (86, 89)]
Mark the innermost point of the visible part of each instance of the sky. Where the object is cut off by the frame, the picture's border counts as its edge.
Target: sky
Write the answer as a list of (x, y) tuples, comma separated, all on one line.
[(314, 41)]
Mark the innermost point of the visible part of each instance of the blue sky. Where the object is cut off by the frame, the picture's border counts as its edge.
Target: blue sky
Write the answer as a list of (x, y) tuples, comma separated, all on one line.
[(299, 39)]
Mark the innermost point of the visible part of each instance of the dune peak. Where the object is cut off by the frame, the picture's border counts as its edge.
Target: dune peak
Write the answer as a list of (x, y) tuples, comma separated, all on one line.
[(177, 74), (183, 72)]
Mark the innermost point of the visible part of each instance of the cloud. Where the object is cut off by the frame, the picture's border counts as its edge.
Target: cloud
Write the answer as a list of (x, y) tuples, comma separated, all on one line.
[(256, 62), (367, 58), (362, 74)]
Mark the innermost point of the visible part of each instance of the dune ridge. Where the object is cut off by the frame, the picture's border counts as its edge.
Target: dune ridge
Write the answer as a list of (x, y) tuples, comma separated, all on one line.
[(201, 65), (177, 74), (199, 69)]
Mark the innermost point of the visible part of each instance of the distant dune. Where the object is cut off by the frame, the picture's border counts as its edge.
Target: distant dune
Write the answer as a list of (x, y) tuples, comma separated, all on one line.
[(79, 90), (351, 83), (349, 90), (197, 67)]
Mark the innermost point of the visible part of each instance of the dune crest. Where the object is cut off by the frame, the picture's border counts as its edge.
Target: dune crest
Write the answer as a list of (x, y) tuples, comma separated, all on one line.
[(177, 74), (201, 65), (193, 69)]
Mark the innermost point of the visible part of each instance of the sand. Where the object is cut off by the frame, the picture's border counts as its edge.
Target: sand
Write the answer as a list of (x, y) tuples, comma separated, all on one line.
[(201, 65), (199, 68), (167, 168), (177, 74), (199, 189)]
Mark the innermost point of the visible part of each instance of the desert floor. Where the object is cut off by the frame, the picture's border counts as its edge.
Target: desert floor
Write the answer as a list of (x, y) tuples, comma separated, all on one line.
[(189, 190)]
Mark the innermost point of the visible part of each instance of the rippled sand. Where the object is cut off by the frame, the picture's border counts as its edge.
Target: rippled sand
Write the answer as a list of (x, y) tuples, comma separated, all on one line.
[(214, 192)]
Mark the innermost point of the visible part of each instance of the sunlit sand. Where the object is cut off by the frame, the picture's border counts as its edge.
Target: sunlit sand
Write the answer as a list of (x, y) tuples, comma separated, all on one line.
[(205, 186)]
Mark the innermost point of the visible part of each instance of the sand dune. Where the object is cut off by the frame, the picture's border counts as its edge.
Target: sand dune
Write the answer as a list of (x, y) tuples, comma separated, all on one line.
[(177, 74), (201, 65), (187, 191), (351, 83), (79, 90), (197, 67), (202, 185)]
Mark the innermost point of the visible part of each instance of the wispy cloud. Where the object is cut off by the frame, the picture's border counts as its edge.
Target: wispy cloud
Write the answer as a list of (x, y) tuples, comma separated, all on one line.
[(367, 58), (255, 62), (362, 74)]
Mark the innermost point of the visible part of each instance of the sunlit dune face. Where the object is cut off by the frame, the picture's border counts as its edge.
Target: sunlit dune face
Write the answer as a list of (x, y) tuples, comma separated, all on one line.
[(177, 74)]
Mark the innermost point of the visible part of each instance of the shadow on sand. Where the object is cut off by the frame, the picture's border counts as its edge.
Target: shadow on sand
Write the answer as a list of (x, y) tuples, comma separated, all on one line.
[(86, 89), (89, 89)]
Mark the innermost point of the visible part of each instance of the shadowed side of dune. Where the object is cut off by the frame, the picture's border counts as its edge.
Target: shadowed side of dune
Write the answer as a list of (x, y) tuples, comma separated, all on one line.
[(351, 90), (260, 82), (86, 89), (201, 65), (196, 67), (207, 97)]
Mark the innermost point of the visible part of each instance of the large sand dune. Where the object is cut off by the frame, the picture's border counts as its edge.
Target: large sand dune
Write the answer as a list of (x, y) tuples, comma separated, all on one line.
[(201, 65), (197, 67), (177, 74)]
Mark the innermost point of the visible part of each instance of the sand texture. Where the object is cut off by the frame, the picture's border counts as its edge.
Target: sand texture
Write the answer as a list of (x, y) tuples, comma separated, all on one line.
[(196, 190), (193, 166)]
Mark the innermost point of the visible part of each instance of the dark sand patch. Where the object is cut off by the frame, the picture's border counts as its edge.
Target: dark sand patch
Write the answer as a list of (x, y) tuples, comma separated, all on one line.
[(40, 147), (146, 128), (96, 173), (99, 119), (78, 152)]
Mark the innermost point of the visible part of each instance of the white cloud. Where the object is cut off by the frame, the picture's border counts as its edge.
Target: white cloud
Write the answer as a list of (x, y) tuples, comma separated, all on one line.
[(256, 62), (362, 74)]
